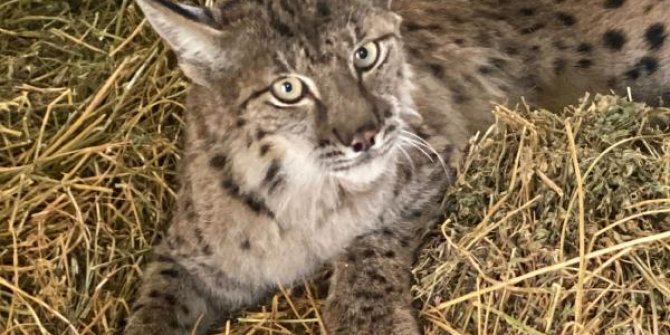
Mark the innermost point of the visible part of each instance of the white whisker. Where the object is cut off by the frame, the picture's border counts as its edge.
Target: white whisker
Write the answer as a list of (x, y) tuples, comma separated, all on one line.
[(429, 147), (409, 158), (415, 145)]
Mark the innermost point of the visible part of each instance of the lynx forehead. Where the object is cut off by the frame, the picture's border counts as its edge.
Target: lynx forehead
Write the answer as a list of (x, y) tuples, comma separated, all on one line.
[(318, 131)]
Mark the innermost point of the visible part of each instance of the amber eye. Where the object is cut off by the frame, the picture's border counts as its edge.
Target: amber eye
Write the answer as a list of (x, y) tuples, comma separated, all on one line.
[(366, 56), (288, 90)]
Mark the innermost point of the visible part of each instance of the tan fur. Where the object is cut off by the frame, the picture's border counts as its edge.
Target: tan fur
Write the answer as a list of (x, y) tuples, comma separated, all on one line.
[(352, 172)]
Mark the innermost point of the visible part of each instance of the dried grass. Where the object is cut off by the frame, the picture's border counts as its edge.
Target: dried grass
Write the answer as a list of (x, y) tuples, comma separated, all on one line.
[(90, 134), (558, 224)]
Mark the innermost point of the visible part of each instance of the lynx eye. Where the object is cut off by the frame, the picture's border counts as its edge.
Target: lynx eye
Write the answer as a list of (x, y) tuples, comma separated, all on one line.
[(288, 90), (366, 56)]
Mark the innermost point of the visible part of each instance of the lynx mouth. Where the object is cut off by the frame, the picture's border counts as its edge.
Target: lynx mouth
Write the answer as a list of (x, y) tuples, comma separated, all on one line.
[(338, 161), (363, 158)]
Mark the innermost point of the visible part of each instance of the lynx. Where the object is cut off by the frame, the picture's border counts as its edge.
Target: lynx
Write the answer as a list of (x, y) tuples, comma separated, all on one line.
[(326, 132)]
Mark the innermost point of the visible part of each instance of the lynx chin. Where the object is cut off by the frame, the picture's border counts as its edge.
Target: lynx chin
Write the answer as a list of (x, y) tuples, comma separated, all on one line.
[(326, 131)]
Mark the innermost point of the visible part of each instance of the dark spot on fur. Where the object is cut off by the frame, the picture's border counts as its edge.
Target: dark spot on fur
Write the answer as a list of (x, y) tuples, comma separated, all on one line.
[(170, 299), (612, 4), (206, 250), (272, 171), (376, 318), (512, 51), (416, 214), (184, 309), (271, 176), (614, 39), (245, 245), (256, 205), (229, 185), (389, 254), (459, 97), (197, 232), (526, 11), (655, 36), (240, 123), (612, 82), (367, 253), (413, 26), (533, 28), (455, 19), (559, 65), (285, 5), (470, 79), (485, 69), (645, 64), (560, 45), (154, 294), (260, 134), (361, 321), (498, 62), (650, 64), (164, 259), (404, 243), (584, 63), (264, 149), (280, 27), (172, 273), (566, 18), (584, 48), (632, 74), (322, 8), (218, 161), (187, 204), (436, 69), (375, 276)]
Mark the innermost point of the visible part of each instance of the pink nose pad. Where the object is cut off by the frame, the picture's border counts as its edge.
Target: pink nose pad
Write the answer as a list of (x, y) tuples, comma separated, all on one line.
[(363, 141)]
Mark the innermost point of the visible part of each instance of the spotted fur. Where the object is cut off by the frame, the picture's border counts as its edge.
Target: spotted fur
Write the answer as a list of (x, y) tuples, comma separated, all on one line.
[(348, 165)]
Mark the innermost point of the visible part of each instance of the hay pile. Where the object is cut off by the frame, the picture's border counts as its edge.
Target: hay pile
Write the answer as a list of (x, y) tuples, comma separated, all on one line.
[(557, 223), (90, 130)]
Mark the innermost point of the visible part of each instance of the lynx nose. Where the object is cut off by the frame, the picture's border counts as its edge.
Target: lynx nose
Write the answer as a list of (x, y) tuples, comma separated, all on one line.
[(363, 141)]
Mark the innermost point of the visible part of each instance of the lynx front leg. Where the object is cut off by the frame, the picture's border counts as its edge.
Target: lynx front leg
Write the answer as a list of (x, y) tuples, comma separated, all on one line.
[(169, 302), (370, 288)]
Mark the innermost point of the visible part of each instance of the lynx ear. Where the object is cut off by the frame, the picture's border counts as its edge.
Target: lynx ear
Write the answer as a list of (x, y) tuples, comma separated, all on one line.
[(190, 31)]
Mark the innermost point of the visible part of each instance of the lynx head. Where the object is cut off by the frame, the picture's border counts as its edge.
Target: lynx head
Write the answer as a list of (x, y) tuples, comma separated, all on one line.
[(323, 83)]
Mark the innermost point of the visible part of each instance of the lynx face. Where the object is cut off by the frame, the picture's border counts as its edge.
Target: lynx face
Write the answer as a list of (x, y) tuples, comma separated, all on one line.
[(321, 83)]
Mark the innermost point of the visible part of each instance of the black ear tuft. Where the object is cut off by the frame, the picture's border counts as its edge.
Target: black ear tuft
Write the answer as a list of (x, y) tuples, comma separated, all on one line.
[(191, 32), (178, 9), (193, 13)]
